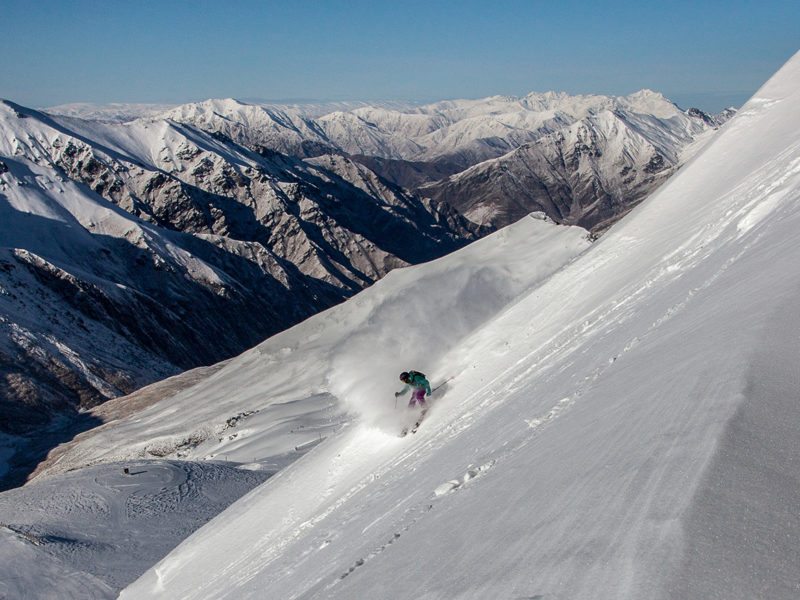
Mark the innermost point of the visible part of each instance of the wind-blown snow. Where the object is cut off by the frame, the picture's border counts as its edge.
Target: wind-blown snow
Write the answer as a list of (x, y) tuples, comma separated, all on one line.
[(625, 429), (288, 386)]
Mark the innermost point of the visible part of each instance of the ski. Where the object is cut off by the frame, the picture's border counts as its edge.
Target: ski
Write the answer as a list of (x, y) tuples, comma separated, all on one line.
[(413, 428), (417, 424)]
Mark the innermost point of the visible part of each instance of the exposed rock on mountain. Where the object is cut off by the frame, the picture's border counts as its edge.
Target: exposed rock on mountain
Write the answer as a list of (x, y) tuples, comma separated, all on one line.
[(438, 148), (589, 173)]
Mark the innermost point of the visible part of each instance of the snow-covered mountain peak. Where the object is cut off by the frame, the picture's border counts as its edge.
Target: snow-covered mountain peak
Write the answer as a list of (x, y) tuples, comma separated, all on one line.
[(9, 109), (647, 95), (650, 102), (207, 111), (283, 130), (220, 106), (252, 115), (552, 100), (463, 132)]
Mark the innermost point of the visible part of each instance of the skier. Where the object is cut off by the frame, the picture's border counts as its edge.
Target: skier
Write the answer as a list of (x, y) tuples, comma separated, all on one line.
[(419, 384)]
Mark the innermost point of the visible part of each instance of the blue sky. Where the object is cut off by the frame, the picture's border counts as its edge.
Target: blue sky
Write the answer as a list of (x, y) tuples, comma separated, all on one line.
[(707, 54)]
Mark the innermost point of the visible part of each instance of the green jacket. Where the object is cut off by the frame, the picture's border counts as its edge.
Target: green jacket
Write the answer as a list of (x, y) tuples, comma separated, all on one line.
[(417, 382)]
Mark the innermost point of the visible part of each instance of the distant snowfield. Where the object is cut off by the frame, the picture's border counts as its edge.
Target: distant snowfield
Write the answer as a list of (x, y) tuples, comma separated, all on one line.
[(618, 425), (86, 534), (114, 112), (123, 112)]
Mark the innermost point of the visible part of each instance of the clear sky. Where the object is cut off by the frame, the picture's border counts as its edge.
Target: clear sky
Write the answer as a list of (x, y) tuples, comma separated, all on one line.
[(708, 54)]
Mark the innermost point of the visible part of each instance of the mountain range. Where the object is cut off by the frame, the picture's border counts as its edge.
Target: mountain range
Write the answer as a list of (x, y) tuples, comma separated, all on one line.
[(580, 159), (150, 240)]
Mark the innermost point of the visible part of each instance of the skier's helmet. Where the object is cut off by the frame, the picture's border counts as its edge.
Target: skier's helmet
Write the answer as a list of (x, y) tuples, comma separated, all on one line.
[(404, 376)]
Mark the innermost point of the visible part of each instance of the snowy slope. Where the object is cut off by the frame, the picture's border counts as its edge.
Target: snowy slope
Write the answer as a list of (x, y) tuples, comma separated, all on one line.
[(288, 386), (87, 534), (623, 430)]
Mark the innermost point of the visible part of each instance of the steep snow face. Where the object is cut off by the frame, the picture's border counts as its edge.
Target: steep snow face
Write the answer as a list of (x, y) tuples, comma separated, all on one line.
[(295, 390), (621, 430)]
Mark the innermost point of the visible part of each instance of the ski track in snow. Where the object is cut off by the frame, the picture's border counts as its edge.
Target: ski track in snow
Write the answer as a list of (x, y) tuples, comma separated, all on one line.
[(102, 523), (414, 515)]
